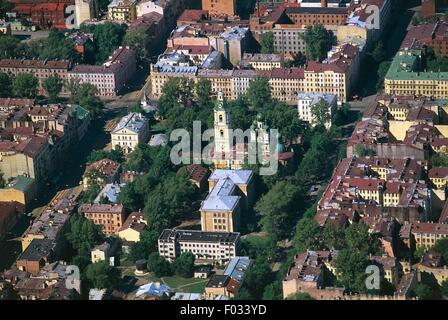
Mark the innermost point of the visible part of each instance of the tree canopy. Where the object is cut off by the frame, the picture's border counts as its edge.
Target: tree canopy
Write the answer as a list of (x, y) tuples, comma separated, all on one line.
[(318, 41), (267, 42)]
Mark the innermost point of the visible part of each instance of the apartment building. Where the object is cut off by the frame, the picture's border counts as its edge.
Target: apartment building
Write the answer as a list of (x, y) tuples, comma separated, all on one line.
[(110, 216), (260, 61), (110, 77), (426, 234), (439, 176), (131, 131), (41, 69), (122, 10), (207, 247), (405, 78), (434, 35)]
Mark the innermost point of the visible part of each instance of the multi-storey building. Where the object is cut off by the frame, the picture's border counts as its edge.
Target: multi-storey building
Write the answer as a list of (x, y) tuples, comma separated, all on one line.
[(108, 171), (207, 247), (109, 78), (110, 216), (405, 78), (41, 69), (260, 61), (231, 191), (131, 131), (434, 35), (122, 10), (438, 176), (426, 234)]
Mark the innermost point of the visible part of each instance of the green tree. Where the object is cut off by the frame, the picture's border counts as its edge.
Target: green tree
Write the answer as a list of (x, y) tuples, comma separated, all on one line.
[(184, 265), (100, 275), (350, 267), (146, 245), (25, 85), (259, 93), (317, 41), (441, 247), (10, 47), (53, 86), (444, 288), (363, 151), (334, 237), (378, 53), (307, 235), (299, 296), (424, 292), (83, 233), (277, 208), (5, 85), (159, 265), (5, 6), (139, 41), (321, 113), (273, 291), (267, 42), (85, 95), (438, 160), (55, 46), (256, 279), (108, 37), (382, 71)]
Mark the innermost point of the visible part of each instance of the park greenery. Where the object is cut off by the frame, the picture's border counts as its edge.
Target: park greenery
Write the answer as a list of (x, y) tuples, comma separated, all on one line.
[(267, 43), (318, 41)]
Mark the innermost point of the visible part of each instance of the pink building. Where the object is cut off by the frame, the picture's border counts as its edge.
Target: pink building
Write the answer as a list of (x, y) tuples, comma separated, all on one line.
[(111, 77)]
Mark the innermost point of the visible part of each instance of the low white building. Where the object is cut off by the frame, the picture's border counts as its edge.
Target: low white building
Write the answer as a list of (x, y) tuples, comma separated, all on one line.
[(146, 7), (131, 131), (306, 102), (207, 247)]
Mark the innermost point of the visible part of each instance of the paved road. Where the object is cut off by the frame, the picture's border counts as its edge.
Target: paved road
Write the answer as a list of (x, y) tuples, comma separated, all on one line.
[(28, 36)]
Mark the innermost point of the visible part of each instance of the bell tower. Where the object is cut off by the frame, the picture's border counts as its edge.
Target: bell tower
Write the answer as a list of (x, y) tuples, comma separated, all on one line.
[(222, 126)]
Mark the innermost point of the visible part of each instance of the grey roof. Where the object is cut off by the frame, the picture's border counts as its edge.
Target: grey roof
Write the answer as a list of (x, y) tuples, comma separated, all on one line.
[(37, 250), (237, 267), (133, 122), (199, 236), (237, 176), (159, 139), (315, 97), (221, 198)]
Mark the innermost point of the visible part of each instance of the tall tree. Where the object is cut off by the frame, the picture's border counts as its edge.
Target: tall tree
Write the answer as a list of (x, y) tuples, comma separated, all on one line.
[(139, 41), (100, 275), (307, 235), (184, 265), (259, 93), (278, 208), (25, 85), (317, 41), (321, 113), (5, 85), (267, 42), (159, 265), (53, 86)]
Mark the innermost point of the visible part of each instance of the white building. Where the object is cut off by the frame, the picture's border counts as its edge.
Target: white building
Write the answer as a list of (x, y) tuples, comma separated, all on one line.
[(207, 247), (85, 10), (132, 130), (306, 101), (148, 7)]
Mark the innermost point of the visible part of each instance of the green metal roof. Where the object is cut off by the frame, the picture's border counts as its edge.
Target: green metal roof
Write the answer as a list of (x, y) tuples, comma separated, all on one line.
[(404, 67), (81, 113)]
